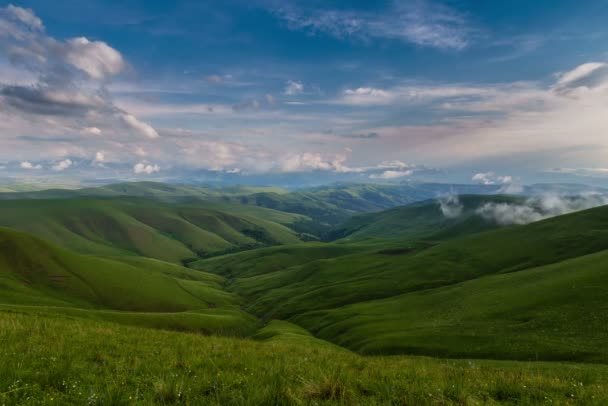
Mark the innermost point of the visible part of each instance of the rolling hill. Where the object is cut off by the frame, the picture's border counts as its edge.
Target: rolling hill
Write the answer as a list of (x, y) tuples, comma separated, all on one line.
[(135, 226), (423, 220), (378, 299), (407, 280), (37, 277)]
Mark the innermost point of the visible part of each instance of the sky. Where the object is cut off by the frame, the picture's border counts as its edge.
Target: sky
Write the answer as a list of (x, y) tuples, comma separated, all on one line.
[(290, 92)]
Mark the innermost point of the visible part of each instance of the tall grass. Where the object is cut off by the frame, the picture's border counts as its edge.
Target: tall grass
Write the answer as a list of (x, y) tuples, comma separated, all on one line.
[(45, 360)]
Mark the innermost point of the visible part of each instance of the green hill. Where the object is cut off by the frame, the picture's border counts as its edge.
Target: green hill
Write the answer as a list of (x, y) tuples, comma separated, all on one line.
[(373, 300), (408, 280), (156, 190), (134, 226), (423, 220), (38, 277)]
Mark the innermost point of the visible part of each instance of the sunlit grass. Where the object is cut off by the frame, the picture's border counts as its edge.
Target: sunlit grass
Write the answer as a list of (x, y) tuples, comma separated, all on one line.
[(51, 360)]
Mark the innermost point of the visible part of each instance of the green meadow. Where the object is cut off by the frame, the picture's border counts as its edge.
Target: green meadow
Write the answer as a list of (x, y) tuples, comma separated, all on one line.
[(199, 296), (57, 360)]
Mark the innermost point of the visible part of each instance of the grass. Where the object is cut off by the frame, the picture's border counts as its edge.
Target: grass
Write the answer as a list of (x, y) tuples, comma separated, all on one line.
[(127, 324), (51, 360), (422, 220), (554, 312), (38, 277), (529, 292), (134, 226)]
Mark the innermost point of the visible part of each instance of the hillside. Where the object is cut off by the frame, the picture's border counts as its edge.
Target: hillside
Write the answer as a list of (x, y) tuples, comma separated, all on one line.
[(37, 277), (73, 362), (156, 190), (133, 226), (328, 205), (372, 300), (423, 220)]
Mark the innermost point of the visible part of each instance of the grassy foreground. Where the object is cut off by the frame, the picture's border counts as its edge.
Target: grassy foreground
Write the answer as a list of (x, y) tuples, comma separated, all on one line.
[(54, 360)]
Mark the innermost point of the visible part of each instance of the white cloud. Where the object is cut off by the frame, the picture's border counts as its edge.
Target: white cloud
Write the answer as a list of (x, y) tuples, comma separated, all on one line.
[(539, 208), (138, 126), (66, 93), (29, 165), (139, 151), (100, 156), (490, 178), (143, 167), (293, 88), (366, 96), (96, 58), (26, 16), (92, 131), (314, 161), (392, 174), (450, 206), (423, 23), (579, 73), (62, 165)]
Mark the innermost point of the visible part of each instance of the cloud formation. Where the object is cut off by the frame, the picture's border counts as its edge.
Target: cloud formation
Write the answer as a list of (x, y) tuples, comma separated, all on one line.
[(423, 23), (293, 87), (67, 92), (450, 206), (145, 168), (539, 208), (62, 165), (29, 165), (490, 178)]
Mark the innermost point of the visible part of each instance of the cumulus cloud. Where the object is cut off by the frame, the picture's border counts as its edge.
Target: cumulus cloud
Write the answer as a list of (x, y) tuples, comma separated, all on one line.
[(29, 165), (450, 206), (96, 58), (490, 178), (145, 168), (539, 208), (314, 161), (62, 165), (66, 92), (293, 88)]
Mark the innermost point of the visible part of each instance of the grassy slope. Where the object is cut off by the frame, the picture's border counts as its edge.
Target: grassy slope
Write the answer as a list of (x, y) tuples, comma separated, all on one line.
[(419, 220), (555, 312), (51, 360), (47, 279), (160, 191), (374, 274), (144, 227)]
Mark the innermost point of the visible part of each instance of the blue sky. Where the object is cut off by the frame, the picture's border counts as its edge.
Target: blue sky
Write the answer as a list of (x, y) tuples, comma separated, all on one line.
[(514, 92)]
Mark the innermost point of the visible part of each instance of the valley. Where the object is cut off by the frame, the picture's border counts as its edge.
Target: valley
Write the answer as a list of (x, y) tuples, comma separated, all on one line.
[(390, 287)]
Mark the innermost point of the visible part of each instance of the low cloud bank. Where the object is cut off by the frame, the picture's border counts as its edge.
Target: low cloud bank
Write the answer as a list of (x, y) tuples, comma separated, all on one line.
[(538, 208), (450, 206)]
